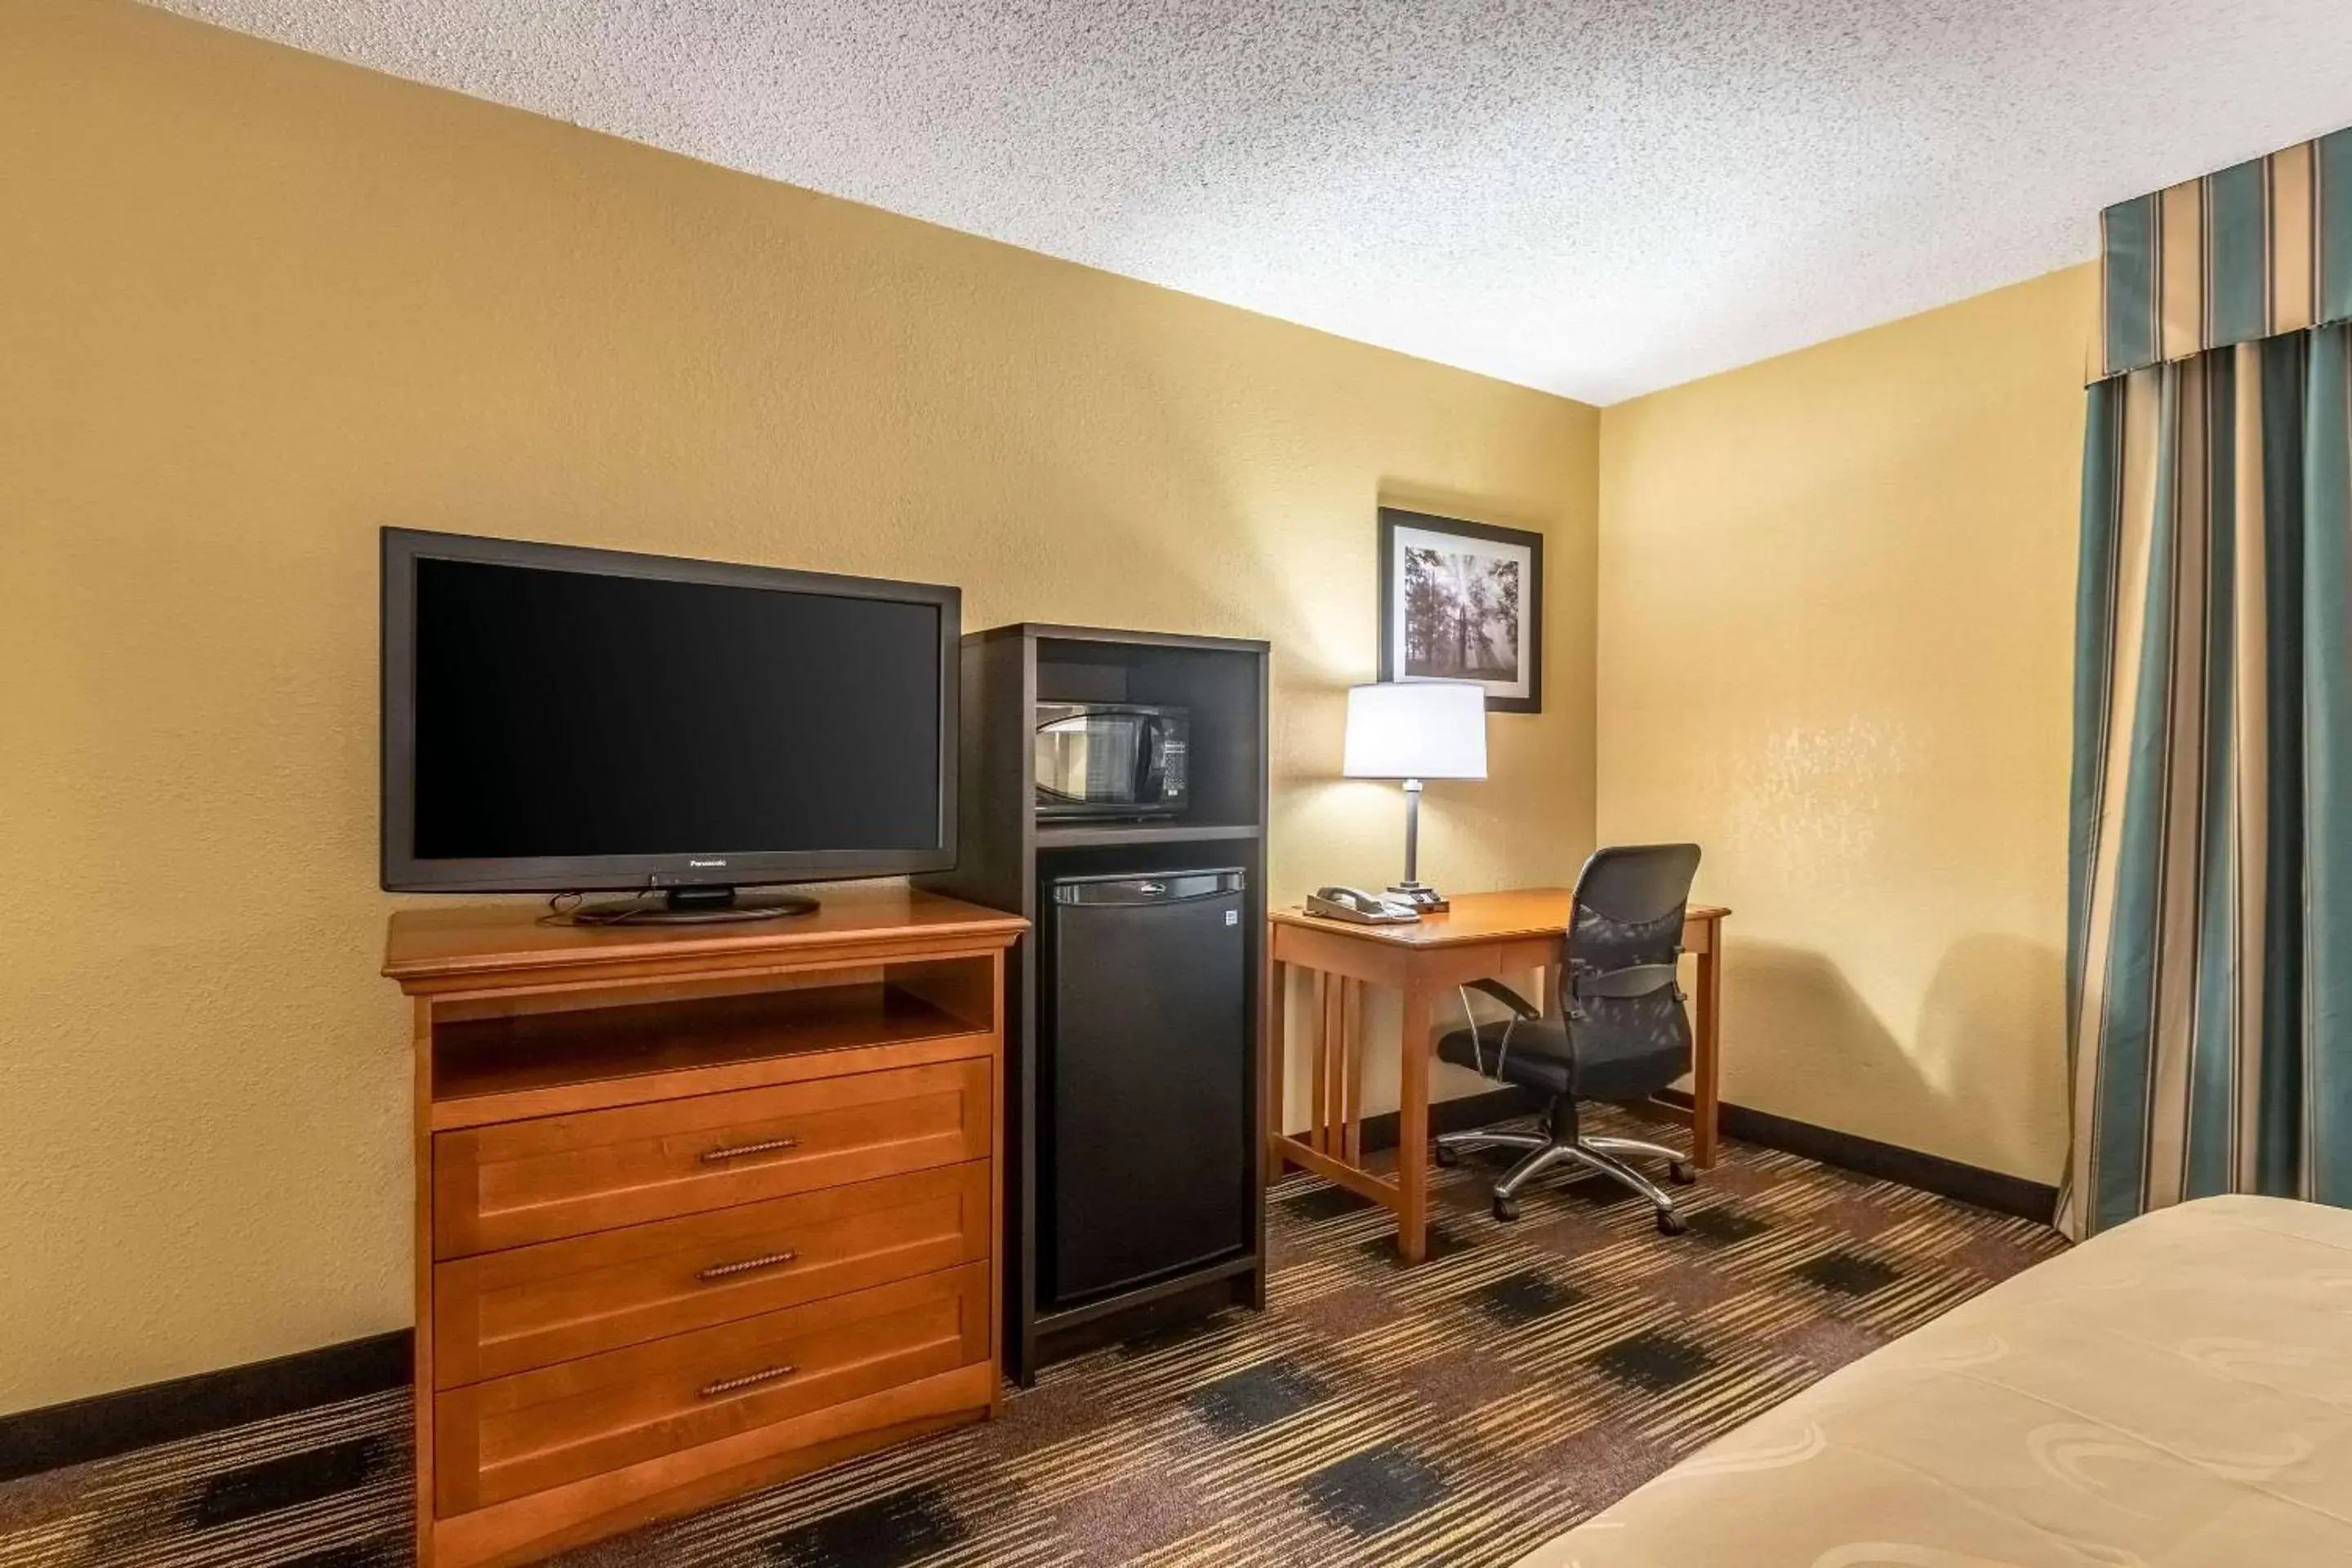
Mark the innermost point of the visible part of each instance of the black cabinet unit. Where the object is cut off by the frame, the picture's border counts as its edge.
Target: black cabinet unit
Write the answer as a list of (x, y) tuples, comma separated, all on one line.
[(1134, 1059), (1143, 1054)]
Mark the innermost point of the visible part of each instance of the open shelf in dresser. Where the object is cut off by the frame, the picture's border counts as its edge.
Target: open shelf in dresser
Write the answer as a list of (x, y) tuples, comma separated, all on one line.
[(533, 1055)]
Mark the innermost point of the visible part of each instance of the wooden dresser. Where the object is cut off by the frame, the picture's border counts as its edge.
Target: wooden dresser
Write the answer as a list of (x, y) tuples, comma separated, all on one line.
[(698, 1207)]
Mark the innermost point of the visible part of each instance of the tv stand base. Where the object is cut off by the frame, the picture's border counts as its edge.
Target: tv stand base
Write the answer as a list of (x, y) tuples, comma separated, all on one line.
[(694, 906)]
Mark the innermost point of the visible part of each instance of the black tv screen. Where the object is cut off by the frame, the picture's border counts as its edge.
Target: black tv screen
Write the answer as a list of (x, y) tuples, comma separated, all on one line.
[(564, 719)]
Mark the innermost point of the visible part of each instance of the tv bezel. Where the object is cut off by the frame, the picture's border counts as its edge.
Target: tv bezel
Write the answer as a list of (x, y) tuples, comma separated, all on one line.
[(403, 872)]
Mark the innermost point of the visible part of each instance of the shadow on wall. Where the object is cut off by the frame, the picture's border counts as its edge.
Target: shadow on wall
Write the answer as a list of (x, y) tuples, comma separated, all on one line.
[(1801, 1041), (1991, 1041), (1442, 501)]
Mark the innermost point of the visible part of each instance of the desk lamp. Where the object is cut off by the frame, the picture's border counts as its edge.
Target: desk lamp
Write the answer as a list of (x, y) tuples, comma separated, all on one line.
[(1416, 729)]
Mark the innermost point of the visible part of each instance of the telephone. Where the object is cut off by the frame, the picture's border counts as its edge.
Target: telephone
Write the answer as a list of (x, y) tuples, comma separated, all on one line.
[(1360, 907)]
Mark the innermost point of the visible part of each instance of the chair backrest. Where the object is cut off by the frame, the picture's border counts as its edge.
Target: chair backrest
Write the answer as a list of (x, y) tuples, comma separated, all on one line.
[(1627, 932)]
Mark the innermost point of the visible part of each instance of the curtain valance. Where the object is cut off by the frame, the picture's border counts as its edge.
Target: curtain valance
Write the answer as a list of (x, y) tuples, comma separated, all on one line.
[(2254, 250)]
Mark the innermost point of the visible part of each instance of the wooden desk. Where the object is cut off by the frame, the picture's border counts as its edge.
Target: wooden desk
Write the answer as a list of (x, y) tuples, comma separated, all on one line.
[(1483, 935)]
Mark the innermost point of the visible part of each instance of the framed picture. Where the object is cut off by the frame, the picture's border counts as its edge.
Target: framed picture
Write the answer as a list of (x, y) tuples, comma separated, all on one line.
[(1463, 601)]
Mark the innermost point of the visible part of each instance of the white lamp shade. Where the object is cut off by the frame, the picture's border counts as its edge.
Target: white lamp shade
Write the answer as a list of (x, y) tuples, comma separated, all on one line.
[(1416, 729)]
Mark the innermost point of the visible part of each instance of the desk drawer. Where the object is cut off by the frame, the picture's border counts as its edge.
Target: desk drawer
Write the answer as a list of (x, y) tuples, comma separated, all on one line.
[(502, 1312), (539, 1429), (524, 1182)]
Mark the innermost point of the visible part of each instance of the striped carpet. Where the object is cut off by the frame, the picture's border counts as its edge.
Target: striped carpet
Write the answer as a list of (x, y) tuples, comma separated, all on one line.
[(1456, 1413)]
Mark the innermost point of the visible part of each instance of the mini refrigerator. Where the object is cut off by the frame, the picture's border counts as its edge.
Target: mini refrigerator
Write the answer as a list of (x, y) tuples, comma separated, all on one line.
[(1143, 1079)]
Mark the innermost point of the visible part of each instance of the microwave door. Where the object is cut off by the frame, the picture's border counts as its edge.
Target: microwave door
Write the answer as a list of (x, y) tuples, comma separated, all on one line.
[(1087, 759)]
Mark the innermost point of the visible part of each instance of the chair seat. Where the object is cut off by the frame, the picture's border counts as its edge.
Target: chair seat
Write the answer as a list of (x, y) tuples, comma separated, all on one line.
[(1539, 1058)]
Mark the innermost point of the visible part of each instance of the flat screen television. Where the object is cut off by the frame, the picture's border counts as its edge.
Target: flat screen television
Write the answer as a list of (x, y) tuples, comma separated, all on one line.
[(560, 719)]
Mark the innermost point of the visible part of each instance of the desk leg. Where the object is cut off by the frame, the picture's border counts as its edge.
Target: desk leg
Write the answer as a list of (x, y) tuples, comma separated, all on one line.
[(1277, 1069), (1412, 1128), (1707, 1066), (1350, 1072), (1318, 1060)]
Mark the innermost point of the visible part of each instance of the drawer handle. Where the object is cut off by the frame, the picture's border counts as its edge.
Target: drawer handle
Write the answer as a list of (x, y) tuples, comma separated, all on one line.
[(727, 1386), (718, 1271), (745, 1151)]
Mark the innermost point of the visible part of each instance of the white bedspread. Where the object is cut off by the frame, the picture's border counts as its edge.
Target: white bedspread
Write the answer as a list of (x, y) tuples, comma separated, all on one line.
[(2174, 1393)]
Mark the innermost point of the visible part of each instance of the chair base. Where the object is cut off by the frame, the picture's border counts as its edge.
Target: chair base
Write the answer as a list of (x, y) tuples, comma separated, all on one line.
[(1564, 1146)]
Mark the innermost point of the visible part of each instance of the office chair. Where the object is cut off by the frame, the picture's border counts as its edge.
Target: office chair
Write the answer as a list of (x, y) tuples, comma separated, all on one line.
[(1624, 1034)]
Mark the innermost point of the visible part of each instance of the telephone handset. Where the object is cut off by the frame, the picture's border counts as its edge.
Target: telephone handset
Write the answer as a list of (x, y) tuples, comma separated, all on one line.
[(1364, 908)]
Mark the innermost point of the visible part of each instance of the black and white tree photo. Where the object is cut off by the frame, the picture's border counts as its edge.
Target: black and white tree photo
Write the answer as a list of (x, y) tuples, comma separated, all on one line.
[(1461, 616), (1462, 601)]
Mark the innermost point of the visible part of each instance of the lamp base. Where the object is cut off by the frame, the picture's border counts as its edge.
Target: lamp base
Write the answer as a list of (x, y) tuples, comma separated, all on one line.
[(1420, 896)]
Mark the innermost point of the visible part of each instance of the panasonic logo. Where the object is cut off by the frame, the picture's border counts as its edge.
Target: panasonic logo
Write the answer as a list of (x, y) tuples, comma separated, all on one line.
[(704, 864)]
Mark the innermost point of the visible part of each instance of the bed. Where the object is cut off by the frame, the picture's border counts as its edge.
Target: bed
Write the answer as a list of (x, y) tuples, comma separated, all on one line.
[(2176, 1392)]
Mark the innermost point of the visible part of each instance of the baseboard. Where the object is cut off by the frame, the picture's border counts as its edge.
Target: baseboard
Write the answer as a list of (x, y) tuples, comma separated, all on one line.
[(1994, 1190), (106, 1424), (1456, 1115)]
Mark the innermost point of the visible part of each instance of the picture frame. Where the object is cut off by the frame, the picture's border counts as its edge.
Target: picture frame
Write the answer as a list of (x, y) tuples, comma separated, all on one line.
[(1463, 601)]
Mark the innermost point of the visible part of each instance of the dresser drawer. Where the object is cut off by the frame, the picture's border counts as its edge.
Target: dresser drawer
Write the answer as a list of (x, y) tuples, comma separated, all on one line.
[(523, 1181), (502, 1312), (539, 1429)]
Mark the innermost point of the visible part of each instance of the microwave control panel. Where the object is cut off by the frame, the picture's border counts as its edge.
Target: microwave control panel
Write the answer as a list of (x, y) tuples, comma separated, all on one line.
[(1173, 765)]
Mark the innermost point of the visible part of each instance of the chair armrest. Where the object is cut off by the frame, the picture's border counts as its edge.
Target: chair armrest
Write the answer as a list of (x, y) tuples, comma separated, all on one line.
[(1519, 1006)]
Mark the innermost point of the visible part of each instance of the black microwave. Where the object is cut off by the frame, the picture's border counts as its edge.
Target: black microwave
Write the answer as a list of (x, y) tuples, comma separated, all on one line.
[(1111, 760)]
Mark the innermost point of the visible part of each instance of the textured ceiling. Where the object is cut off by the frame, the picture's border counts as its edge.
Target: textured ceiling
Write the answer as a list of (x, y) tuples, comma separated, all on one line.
[(1596, 198)]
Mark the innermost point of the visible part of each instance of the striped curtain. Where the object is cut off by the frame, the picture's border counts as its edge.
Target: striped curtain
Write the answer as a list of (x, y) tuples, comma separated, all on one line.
[(2210, 960), (2256, 251)]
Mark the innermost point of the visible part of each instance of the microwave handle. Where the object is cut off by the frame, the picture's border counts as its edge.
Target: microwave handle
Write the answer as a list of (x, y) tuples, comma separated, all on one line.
[(1151, 760)]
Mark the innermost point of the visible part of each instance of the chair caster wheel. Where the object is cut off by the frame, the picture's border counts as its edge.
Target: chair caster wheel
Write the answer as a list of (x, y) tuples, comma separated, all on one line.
[(1682, 1173), (1671, 1224), (1445, 1156), (1506, 1209)]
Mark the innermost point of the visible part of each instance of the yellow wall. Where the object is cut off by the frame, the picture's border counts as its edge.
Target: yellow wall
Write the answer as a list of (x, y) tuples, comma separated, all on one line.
[(258, 304), (1836, 602)]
